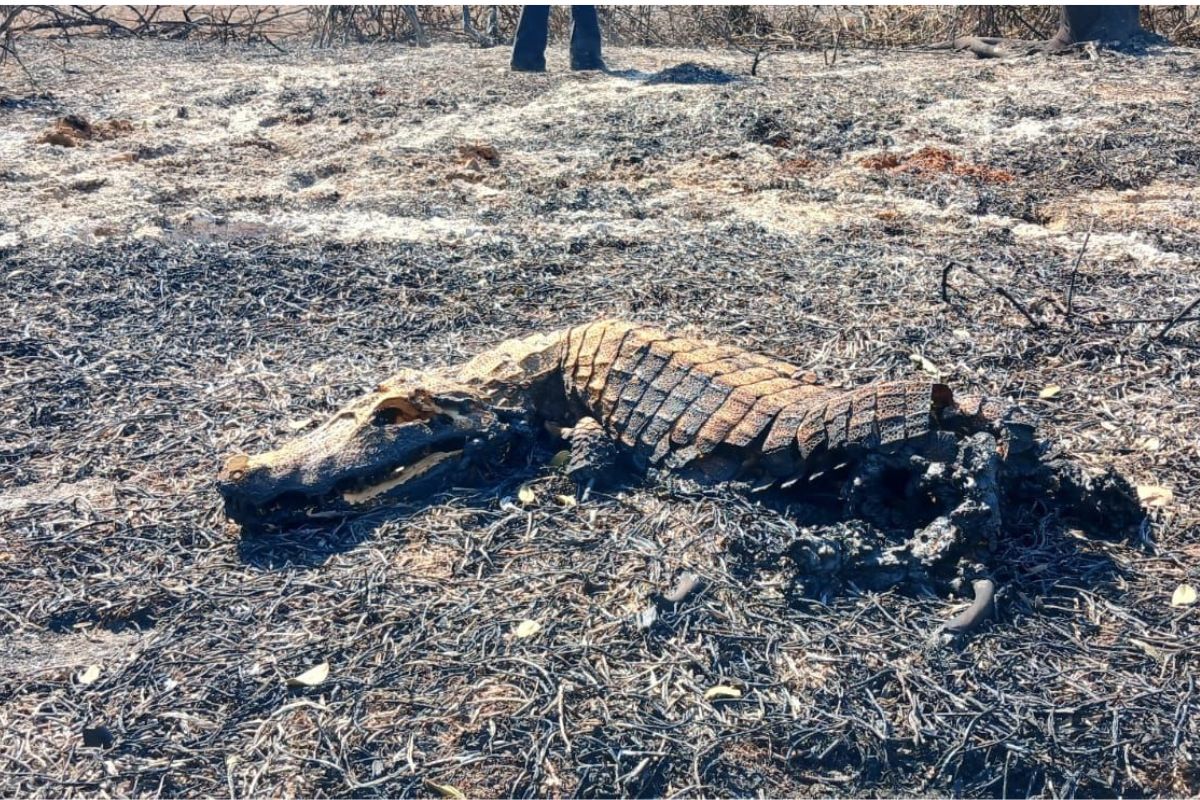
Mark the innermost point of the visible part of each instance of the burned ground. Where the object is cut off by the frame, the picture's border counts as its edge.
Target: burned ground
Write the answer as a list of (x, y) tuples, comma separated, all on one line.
[(270, 234)]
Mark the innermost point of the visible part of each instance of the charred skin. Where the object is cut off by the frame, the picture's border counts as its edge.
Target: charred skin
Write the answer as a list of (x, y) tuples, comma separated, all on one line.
[(712, 411)]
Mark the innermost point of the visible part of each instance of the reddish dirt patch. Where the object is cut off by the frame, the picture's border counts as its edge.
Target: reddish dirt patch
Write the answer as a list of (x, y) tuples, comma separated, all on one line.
[(882, 161), (479, 151), (935, 160), (73, 131), (472, 157), (797, 166)]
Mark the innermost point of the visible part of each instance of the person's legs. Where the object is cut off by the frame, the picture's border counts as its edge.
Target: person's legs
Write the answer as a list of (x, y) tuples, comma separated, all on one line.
[(529, 46), (585, 38)]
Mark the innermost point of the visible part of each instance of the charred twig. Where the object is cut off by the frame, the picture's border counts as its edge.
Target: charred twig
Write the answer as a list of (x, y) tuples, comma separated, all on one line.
[(1000, 290), (1075, 270), (473, 33), (8, 46), (1178, 318), (837, 38), (1145, 320)]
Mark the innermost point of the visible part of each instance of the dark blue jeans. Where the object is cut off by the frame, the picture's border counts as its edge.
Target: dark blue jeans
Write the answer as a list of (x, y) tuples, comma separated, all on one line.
[(529, 48)]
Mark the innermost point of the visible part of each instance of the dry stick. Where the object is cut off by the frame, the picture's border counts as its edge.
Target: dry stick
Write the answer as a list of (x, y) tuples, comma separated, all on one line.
[(1000, 290), (73, 54), (1075, 270), (1016, 14), (471, 31), (1178, 318), (144, 20), (266, 39), (1144, 320), (8, 46), (93, 17)]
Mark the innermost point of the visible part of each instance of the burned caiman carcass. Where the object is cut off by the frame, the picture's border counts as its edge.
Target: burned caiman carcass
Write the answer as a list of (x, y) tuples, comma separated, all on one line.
[(631, 399)]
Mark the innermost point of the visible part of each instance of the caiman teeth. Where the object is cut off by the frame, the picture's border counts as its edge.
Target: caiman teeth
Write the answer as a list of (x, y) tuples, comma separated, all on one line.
[(402, 475)]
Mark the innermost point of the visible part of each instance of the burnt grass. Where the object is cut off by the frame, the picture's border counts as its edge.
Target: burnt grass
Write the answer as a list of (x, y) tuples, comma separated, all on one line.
[(131, 364)]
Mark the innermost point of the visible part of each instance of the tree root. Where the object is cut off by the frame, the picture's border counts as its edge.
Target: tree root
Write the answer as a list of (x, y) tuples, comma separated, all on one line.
[(688, 586), (996, 47), (981, 609)]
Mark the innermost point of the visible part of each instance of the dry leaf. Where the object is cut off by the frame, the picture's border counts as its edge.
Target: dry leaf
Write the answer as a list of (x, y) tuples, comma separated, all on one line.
[(90, 675), (1155, 496), (561, 459), (311, 677), (723, 693), (446, 790), (1146, 648), (526, 496), (1050, 392), (1184, 595), (528, 628), (1150, 443), (925, 364)]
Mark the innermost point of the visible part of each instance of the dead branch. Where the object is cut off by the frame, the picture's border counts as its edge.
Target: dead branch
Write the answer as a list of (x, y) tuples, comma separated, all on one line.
[(1178, 318), (1000, 290), (1075, 270)]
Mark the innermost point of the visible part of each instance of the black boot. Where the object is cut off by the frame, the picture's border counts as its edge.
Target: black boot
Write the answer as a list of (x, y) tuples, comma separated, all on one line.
[(585, 38), (529, 46)]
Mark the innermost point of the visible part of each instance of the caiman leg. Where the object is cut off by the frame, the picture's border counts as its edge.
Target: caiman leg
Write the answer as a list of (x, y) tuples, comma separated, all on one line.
[(593, 461)]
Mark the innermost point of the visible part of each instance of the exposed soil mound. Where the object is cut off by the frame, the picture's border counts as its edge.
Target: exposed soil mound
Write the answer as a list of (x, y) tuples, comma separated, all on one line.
[(74, 131), (691, 73), (934, 161)]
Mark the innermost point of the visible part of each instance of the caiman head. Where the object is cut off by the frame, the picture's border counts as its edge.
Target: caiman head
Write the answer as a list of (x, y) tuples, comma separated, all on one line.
[(417, 433)]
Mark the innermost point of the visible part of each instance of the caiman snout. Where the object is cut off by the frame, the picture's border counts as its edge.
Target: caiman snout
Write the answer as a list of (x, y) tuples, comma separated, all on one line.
[(403, 441), (235, 467), (246, 486)]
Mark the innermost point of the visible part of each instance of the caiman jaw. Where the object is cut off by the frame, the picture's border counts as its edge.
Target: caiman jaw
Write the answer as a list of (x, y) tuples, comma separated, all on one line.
[(403, 441)]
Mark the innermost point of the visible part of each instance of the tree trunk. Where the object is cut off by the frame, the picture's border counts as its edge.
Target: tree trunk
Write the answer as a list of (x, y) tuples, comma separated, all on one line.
[(483, 40), (1095, 23)]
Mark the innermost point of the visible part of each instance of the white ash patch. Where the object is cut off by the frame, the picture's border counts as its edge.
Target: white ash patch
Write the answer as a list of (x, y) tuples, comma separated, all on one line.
[(1135, 246), (90, 492), (1030, 129), (1162, 202)]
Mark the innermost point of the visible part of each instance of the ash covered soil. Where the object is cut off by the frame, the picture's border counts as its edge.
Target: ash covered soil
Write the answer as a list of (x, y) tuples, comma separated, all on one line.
[(205, 250)]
